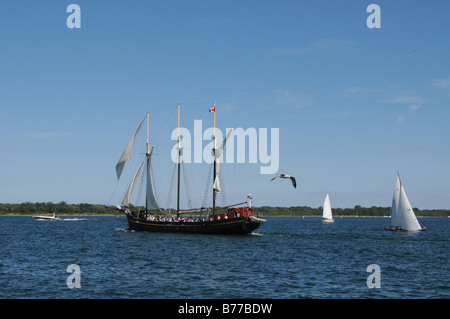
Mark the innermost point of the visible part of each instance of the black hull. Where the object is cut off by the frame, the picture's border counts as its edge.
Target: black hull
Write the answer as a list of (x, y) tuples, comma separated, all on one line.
[(233, 226)]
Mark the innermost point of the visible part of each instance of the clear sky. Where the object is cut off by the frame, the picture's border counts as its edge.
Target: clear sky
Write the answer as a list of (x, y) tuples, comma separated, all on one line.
[(353, 104)]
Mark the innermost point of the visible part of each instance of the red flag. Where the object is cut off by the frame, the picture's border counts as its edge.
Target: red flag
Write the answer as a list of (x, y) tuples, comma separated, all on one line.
[(213, 109)]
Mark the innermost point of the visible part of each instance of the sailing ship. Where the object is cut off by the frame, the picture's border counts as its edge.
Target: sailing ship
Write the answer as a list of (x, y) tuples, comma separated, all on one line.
[(402, 214), (327, 217), (232, 219)]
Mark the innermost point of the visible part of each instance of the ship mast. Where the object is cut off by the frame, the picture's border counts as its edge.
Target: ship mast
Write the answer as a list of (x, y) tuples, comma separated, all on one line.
[(214, 154), (179, 162), (147, 154)]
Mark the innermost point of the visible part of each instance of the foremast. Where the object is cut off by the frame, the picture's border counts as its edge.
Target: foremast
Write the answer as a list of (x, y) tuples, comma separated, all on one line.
[(150, 200)]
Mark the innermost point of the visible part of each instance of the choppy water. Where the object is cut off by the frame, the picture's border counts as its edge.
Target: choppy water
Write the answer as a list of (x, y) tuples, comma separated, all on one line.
[(286, 258)]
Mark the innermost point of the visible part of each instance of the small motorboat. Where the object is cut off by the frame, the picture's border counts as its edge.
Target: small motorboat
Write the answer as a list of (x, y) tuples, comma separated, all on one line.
[(46, 217)]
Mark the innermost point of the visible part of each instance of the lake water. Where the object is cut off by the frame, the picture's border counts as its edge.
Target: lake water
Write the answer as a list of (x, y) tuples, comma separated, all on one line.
[(286, 258)]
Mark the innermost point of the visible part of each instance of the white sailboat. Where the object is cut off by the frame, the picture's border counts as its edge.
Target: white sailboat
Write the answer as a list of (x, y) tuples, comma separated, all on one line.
[(402, 214), (327, 217)]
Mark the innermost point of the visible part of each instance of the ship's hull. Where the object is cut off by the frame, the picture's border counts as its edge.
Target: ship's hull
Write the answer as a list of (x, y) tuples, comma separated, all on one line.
[(232, 226)]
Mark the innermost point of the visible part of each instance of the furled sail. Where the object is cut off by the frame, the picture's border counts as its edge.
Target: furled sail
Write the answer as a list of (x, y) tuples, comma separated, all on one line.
[(217, 155), (126, 155), (408, 220), (395, 215), (151, 203), (216, 185), (327, 208), (126, 199)]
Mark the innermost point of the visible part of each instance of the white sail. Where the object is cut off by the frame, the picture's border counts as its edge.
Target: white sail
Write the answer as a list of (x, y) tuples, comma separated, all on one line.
[(395, 216), (327, 208), (151, 203), (216, 185), (217, 155), (126, 155), (126, 199), (408, 220)]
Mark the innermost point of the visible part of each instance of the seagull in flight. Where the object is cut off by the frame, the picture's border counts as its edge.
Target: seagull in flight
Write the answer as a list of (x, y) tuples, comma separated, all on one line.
[(294, 183)]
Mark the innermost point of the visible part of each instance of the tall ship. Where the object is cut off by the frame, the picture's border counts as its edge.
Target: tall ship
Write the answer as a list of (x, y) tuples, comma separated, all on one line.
[(238, 218)]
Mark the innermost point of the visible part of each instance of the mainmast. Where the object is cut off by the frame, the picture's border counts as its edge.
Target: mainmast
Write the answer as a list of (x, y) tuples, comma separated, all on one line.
[(179, 162), (148, 144), (147, 154), (150, 199), (214, 153)]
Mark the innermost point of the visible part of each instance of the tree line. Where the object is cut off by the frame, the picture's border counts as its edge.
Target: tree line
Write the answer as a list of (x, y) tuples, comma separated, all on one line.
[(62, 208), (355, 211)]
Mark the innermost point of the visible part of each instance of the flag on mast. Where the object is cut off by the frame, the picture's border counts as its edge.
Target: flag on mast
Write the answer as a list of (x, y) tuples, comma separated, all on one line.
[(213, 109)]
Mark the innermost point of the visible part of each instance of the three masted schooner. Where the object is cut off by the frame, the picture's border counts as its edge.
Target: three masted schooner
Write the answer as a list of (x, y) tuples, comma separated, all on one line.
[(232, 219)]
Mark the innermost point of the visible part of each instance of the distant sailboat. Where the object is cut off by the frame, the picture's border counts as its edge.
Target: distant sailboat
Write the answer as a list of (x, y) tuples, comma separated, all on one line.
[(327, 217), (402, 214)]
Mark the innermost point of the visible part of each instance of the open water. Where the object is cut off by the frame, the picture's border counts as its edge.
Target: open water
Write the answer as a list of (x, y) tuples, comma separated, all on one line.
[(287, 258)]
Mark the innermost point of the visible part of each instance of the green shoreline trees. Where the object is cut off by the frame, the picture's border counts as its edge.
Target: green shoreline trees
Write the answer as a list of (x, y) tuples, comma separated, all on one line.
[(62, 208)]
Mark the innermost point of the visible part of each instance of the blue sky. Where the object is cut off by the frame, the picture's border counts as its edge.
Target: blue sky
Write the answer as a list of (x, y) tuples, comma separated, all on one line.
[(353, 105)]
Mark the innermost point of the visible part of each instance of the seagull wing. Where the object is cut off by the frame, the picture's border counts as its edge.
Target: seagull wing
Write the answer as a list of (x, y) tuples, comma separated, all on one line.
[(275, 177), (293, 181)]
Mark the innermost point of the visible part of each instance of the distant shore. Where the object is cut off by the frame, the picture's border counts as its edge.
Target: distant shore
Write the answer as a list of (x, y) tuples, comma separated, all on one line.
[(265, 215), (277, 216), (84, 209)]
